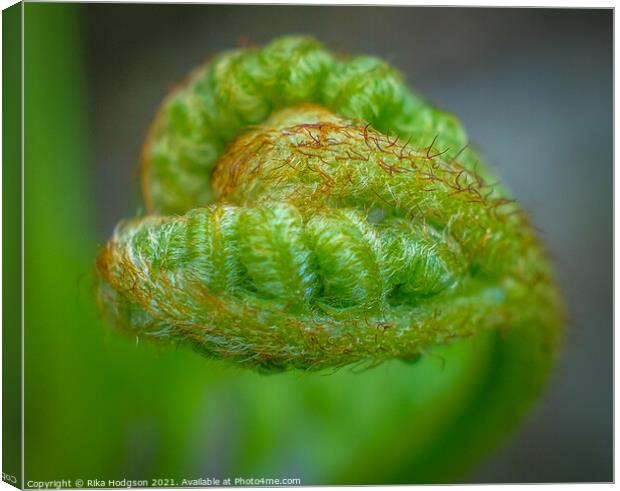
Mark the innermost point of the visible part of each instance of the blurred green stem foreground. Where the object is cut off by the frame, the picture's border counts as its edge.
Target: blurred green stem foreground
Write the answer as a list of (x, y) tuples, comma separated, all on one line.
[(101, 406)]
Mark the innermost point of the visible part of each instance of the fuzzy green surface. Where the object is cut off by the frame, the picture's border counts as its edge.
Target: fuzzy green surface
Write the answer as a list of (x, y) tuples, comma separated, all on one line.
[(310, 212)]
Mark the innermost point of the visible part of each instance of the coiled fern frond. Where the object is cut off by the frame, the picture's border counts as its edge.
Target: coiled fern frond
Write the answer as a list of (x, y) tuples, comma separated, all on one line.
[(307, 212), (311, 212)]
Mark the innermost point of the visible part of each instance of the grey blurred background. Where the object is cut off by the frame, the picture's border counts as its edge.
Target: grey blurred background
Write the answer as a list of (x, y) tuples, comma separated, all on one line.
[(533, 87)]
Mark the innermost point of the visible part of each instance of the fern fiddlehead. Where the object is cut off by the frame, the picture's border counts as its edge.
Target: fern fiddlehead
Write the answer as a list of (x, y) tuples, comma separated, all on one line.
[(309, 212)]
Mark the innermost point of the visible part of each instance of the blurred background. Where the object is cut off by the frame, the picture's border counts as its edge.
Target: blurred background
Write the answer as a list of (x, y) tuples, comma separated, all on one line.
[(533, 87)]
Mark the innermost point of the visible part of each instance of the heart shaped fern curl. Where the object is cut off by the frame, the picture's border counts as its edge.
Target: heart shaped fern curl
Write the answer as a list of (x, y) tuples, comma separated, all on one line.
[(309, 212)]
